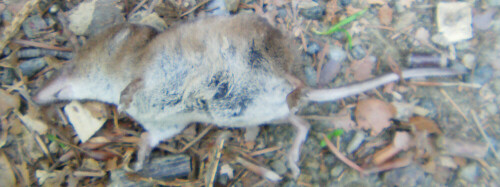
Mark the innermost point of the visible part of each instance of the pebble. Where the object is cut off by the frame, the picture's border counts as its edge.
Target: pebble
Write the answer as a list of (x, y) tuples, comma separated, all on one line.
[(54, 9), (315, 12), (290, 184), (7, 15), (355, 142), (482, 75), (329, 160), (279, 167), (33, 26), (337, 171), (491, 108), (33, 66), (313, 48), (469, 172), (358, 52), (469, 61), (310, 74), (8, 76), (345, 2)]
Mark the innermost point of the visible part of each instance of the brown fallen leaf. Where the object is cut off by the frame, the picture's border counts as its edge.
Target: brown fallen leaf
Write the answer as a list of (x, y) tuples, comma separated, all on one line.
[(385, 15), (423, 123), (400, 142), (343, 120), (8, 102), (362, 69), (462, 148), (374, 115), (7, 176)]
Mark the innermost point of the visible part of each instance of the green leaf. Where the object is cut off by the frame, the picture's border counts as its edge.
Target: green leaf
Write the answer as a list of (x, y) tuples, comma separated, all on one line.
[(341, 23), (336, 133)]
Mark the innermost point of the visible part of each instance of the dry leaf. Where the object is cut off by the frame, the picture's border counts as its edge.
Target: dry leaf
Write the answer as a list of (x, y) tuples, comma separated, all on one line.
[(51, 178), (82, 120), (362, 69), (385, 15), (404, 110), (462, 148), (32, 123), (374, 115), (423, 123), (400, 142), (343, 120), (8, 102), (7, 177)]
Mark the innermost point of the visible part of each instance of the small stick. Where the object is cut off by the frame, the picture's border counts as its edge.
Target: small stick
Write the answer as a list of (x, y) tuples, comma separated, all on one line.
[(485, 136), (343, 158), (454, 104), (198, 138), (194, 8), (267, 150), (40, 45), (11, 30), (261, 171)]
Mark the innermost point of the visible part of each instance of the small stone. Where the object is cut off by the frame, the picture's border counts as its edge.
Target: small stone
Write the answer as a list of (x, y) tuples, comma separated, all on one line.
[(34, 25), (223, 179), (491, 108), (54, 9), (356, 141), (279, 167), (7, 51), (311, 10), (358, 52), (33, 66), (8, 76), (337, 171), (469, 61), (313, 48), (329, 160), (290, 184), (482, 75), (454, 20), (469, 172), (91, 17), (345, 2), (310, 74)]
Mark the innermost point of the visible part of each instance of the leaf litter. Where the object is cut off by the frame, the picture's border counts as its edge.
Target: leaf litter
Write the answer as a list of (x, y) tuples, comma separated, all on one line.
[(30, 138)]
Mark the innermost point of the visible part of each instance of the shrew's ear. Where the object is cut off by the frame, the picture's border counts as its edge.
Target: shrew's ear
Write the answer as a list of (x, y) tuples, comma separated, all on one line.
[(117, 39)]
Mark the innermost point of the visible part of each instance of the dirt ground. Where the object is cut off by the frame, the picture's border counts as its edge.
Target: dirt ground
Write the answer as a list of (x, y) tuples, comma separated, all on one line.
[(419, 132)]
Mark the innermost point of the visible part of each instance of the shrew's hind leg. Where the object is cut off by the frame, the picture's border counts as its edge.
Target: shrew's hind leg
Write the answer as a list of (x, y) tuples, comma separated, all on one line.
[(152, 138)]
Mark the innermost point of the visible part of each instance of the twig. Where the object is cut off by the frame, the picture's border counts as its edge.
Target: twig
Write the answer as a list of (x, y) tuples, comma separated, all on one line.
[(212, 167), (40, 45), (198, 138), (454, 104), (13, 28), (341, 156), (263, 151), (485, 136), (194, 8), (261, 171)]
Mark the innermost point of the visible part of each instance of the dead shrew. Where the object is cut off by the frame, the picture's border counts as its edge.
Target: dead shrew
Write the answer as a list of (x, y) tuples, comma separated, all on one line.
[(234, 71)]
